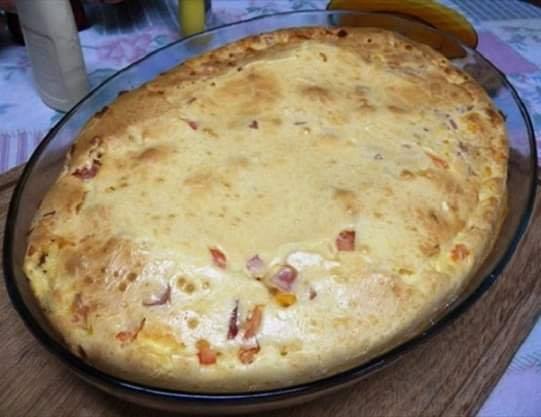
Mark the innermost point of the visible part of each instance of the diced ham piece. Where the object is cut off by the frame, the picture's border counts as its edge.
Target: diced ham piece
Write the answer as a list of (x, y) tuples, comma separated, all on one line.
[(459, 252), (206, 355), (163, 298), (218, 258), (440, 163), (193, 125), (255, 265), (247, 354), (252, 324), (87, 172), (284, 278), (234, 322), (345, 240), (131, 335), (79, 309), (124, 336)]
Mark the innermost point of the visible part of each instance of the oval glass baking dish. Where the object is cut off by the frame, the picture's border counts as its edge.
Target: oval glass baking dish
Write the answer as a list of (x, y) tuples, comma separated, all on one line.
[(47, 161)]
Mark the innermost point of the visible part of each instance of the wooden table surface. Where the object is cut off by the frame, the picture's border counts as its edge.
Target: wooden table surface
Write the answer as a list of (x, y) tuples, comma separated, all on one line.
[(451, 374)]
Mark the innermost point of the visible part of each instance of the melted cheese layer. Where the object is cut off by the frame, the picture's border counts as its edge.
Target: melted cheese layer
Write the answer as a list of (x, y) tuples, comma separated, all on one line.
[(271, 212)]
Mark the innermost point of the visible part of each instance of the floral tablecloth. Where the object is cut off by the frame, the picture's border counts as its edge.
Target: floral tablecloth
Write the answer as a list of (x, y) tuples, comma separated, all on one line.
[(509, 33)]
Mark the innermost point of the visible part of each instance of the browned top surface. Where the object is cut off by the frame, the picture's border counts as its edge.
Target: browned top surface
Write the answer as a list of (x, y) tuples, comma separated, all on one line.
[(449, 375), (275, 147)]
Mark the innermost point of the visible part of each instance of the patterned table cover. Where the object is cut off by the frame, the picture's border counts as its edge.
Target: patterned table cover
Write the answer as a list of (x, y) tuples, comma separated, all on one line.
[(509, 35)]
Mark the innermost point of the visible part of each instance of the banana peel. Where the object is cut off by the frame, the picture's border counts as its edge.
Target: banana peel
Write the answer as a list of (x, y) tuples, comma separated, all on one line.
[(432, 14)]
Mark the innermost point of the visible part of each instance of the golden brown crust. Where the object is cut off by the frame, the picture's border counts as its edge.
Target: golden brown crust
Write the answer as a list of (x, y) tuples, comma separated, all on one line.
[(272, 211)]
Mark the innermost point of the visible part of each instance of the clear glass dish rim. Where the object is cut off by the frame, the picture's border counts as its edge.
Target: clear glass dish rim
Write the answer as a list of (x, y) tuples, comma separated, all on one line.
[(329, 382)]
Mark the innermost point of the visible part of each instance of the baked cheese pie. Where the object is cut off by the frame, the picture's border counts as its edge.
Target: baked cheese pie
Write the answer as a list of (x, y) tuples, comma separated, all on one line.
[(271, 212)]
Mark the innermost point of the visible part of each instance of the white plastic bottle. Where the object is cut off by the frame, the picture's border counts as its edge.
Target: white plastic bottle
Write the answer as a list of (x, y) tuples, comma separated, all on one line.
[(52, 42)]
